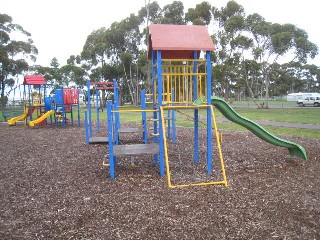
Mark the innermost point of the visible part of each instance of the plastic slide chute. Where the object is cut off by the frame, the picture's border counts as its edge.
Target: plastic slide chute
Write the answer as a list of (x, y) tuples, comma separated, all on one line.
[(12, 121), (229, 113), (40, 119)]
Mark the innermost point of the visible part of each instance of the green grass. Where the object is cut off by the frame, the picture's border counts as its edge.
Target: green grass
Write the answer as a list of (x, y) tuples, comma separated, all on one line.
[(306, 133), (292, 115), (271, 103)]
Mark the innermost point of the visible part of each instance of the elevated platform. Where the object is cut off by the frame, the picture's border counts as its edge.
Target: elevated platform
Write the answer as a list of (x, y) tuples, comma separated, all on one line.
[(136, 149), (130, 130), (95, 140)]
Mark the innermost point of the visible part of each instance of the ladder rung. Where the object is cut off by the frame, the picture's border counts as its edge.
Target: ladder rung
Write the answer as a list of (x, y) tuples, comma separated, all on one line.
[(153, 119)]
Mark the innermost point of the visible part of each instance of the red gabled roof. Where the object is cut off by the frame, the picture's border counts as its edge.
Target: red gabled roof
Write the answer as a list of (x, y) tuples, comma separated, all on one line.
[(179, 41), (34, 80)]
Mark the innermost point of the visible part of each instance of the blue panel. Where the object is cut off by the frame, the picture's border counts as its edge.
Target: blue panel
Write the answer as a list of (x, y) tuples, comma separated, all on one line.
[(59, 96)]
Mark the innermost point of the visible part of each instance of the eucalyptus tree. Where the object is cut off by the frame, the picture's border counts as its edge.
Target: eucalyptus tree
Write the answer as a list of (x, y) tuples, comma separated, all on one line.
[(149, 14), (95, 55), (14, 54), (51, 73), (125, 40), (173, 13), (289, 77), (273, 41), (71, 74), (231, 42), (251, 74), (311, 78), (200, 15)]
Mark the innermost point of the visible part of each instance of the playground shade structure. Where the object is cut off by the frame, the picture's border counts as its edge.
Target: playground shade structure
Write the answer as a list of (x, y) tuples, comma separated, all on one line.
[(229, 113), (13, 121)]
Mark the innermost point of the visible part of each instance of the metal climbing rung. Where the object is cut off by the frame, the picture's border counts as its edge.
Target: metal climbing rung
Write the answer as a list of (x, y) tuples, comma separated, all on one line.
[(153, 119), (130, 130)]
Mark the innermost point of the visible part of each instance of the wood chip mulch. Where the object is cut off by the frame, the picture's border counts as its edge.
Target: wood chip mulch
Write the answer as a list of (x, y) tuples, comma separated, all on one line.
[(53, 186)]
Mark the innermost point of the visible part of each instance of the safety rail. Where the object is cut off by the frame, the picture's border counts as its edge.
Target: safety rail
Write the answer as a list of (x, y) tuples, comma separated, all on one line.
[(184, 78)]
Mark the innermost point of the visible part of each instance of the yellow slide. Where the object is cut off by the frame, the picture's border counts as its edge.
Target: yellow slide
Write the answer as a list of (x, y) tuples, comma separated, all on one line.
[(12, 121), (40, 119)]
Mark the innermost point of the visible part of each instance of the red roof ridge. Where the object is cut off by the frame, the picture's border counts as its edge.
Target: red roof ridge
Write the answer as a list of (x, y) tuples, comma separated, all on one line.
[(34, 80)]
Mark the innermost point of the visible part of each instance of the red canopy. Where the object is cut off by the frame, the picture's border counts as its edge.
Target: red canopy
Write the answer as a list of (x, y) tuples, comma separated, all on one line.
[(179, 41), (34, 80)]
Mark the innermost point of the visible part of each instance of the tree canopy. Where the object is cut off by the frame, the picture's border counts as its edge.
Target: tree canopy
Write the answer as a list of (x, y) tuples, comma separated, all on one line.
[(253, 58)]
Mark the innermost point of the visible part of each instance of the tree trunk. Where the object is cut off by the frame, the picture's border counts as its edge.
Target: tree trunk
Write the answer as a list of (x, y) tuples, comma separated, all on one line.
[(2, 97), (267, 92), (250, 89), (129, 83)]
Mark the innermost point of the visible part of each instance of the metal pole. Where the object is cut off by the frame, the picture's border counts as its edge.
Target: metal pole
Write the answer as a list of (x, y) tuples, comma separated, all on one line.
[(112, 159), (97, 110), (209, 117), (89, 108), (160, 90), (196, 111), (86, 126), (154, 105)]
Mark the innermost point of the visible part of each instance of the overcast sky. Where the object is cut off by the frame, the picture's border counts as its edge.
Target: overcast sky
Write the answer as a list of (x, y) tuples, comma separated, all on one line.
[(59, 28)]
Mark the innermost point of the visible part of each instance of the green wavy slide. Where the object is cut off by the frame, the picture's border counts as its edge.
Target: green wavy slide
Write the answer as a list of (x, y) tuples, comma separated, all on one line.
[(229, 113)]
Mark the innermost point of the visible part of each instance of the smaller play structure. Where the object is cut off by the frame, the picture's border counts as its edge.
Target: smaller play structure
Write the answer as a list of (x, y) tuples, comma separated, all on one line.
[(40, 109)]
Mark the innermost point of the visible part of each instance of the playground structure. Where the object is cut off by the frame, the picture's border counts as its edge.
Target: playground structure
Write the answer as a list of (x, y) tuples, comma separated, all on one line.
[(181, 81), (179, 77), (38, 107)]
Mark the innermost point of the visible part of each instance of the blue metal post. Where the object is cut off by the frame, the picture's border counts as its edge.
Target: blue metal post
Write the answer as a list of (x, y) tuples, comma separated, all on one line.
[(209, 117), (116, 107), (173, 116), (86, 126), (64, 113), (154, 105), (144, 116), (89, 108), (110, 140), (196, 111), (160, 90)]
